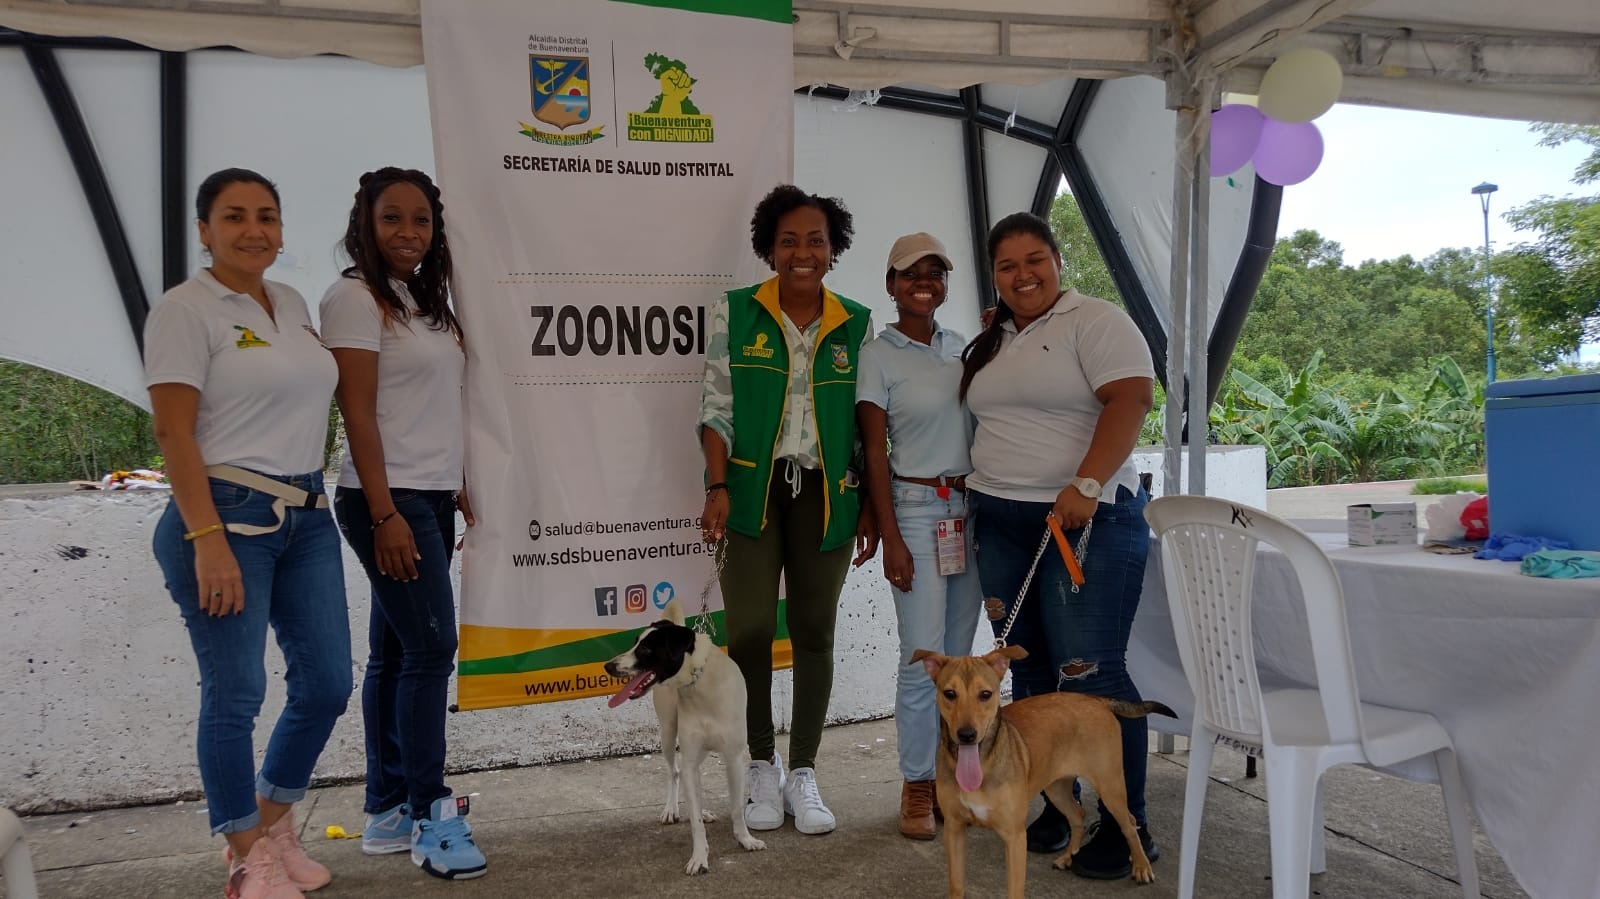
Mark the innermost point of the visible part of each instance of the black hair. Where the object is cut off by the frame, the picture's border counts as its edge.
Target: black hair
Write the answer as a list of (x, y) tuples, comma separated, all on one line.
[(981, 351), (430, 283), (786, 198), (216, 182)]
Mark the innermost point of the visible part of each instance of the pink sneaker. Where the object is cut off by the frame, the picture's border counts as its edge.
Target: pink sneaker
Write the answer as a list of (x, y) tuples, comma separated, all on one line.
[(305, 872), (260, 875)]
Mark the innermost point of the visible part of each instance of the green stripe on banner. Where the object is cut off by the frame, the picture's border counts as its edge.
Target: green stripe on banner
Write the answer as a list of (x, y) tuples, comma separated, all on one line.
[(583, 652), (770, 10)]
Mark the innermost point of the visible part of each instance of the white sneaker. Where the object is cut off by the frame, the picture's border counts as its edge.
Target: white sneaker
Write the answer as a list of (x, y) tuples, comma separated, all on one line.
[(764, 809), (802, 800)]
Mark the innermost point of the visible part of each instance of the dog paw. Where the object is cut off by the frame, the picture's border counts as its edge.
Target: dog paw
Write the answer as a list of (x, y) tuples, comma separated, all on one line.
[(708, 816), (697, 865), (669, 815), (1144, 874), (1062, 862), (752, 844)]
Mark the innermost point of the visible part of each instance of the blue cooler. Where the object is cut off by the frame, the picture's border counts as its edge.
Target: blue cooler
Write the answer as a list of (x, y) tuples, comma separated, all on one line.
[(1542, 438)]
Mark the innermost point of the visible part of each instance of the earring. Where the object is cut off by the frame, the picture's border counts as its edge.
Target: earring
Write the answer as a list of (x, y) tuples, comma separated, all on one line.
[(280, 251), (205, 250)]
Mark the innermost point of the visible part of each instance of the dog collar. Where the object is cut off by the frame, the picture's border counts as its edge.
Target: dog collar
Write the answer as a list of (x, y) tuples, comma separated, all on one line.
[(694, 675)]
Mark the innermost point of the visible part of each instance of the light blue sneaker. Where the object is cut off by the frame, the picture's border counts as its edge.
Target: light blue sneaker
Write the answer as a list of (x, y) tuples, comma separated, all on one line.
[(387, 832), (442, 843)]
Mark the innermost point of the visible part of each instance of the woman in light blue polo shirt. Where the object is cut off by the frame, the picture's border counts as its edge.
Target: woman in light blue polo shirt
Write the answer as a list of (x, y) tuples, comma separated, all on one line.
[(916, 437)]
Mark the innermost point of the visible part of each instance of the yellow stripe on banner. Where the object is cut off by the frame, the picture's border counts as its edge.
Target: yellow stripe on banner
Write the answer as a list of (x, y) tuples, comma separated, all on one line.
[(488, 691), (479, 642)]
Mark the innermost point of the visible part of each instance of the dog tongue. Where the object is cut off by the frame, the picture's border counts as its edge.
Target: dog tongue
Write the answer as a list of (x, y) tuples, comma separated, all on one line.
[(626, 693), (969, 771)]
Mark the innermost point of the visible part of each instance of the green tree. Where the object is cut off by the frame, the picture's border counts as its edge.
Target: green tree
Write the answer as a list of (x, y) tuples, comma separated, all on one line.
[(1553, 280), (1082, 267)]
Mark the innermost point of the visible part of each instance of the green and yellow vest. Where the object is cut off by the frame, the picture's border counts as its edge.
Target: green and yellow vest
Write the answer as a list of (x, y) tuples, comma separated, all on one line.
[(758, 362)]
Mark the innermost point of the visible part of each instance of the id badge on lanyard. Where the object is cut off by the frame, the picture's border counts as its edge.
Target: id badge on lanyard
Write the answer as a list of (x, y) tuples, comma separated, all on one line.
[(951, 538)]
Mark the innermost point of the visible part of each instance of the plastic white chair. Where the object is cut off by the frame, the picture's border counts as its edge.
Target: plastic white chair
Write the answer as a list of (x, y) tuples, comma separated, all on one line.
[(16, 868), (1208, 548)]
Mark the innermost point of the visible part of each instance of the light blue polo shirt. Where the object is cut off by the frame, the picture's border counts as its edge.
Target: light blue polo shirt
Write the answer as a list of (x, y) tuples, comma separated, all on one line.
[(930, 433)]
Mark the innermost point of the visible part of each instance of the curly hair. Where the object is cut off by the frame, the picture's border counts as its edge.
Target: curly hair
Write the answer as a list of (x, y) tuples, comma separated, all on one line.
[(216, 182), (786, 198), (983, 348), (430, 283)]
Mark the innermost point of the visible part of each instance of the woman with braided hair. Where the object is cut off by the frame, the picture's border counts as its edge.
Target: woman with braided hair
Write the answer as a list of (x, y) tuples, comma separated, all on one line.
[(398, 346)]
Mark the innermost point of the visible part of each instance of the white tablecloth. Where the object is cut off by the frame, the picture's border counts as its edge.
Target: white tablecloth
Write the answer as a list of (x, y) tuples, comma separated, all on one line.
[(1509, 664)]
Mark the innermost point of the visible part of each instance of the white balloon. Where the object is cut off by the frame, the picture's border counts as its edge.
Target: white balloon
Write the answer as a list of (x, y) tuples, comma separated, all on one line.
[(1301, 85)]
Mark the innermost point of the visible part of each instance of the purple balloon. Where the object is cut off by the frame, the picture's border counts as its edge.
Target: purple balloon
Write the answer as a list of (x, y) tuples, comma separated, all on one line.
[(1235, 132), (1287, 153)]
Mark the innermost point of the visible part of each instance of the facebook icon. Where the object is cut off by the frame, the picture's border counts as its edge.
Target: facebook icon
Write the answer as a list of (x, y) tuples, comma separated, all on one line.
[(605, 600)]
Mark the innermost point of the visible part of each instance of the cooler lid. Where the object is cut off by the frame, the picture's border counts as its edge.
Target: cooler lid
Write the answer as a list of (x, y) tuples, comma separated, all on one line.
[(1545, 386)]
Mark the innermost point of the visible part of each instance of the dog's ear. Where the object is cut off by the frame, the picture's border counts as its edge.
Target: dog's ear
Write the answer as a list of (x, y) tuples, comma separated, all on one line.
[(1000, 659), (931, 661), (673, 612)]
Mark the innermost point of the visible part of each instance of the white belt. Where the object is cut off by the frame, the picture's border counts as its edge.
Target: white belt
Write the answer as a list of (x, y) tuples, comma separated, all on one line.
[(287, 495)]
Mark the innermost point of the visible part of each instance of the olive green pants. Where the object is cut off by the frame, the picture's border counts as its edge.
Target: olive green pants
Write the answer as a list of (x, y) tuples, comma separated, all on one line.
[(812, 579)]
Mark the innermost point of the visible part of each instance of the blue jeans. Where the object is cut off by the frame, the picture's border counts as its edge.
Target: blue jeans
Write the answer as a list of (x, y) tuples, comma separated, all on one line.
[(1075, 641), (411, 650), (938, 613), (293, 581)]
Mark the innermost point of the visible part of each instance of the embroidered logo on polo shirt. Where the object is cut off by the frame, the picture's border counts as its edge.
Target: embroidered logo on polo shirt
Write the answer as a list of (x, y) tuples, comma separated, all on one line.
[(248, 338), (760, 350), (841, 358)]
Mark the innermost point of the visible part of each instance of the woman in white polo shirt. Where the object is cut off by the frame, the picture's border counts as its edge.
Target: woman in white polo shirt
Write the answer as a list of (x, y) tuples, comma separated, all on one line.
[(389, 323), (239, 390), (1059, 384), (915, 436)]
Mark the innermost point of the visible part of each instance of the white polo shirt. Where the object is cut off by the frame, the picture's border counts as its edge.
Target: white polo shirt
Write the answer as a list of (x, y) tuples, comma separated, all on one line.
[(420, 372), (1035, 401), (918, 385), (265, 384)]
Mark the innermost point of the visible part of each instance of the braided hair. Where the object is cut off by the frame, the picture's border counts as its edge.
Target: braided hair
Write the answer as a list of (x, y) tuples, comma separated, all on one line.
[(430, 283)]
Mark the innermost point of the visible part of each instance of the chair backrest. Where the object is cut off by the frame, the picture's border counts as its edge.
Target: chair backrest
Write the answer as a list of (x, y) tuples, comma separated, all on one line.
[(1208, 548)]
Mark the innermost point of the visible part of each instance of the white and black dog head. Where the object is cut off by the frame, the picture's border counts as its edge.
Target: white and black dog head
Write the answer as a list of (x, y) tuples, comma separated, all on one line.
[(660, 653)]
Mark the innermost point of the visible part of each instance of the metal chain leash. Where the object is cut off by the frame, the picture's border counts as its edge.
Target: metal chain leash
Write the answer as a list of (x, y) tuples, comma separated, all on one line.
[(1027, 581), (719, 560)]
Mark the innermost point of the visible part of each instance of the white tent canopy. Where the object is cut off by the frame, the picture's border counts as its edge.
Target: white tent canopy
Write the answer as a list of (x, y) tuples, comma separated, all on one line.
[(1534, 60)]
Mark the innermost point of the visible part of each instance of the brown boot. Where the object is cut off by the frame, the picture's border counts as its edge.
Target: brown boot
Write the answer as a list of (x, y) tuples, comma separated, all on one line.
[(916, 810)]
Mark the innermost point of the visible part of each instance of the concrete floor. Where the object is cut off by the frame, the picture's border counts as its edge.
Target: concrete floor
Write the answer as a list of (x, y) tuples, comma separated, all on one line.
[(588, 829)]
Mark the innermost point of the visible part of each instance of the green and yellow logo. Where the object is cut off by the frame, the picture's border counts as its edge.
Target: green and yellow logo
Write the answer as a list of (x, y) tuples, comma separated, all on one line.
[(672, 116), (759, 350), (841, 358), (560, 90), (248, 338)]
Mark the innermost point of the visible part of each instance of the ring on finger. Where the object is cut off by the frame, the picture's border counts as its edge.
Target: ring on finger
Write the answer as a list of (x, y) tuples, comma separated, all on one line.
[(216, 594)]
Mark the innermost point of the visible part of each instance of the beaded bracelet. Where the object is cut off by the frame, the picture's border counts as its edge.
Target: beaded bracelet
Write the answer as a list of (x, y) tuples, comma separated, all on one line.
[(379, 523), (720, 485)]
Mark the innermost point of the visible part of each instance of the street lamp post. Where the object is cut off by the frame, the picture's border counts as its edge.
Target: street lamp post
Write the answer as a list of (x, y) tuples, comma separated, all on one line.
[(1482, 192)]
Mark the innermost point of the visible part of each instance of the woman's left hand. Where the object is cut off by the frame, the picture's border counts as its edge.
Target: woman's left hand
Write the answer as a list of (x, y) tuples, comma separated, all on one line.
[(1072, 509), (465, 508), (866, 537)]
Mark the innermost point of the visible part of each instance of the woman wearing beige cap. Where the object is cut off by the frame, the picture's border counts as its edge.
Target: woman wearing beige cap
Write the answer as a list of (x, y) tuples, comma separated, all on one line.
[(916, 436)]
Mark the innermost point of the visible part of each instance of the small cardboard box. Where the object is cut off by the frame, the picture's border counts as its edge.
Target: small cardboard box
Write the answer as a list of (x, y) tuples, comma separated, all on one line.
[(1383, 524)]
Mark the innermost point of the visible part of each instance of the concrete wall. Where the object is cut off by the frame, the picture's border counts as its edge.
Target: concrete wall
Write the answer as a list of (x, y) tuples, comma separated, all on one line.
[(98, 687)]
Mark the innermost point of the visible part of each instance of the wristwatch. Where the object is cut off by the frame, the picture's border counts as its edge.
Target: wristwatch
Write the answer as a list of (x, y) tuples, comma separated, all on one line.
[(1089, 487)]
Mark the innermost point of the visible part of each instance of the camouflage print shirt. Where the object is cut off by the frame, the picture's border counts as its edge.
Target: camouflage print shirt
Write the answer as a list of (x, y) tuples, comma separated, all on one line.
[(799, 438)]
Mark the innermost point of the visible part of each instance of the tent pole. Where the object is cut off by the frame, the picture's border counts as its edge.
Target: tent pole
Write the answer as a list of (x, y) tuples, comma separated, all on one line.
[(1177, 317), (1199, 294)]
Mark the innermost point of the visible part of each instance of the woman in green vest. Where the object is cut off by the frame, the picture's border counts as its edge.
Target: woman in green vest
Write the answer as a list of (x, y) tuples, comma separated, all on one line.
[(778, 429)]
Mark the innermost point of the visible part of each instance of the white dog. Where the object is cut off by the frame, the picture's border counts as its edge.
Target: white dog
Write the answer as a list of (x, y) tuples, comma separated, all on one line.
[(700, 701)]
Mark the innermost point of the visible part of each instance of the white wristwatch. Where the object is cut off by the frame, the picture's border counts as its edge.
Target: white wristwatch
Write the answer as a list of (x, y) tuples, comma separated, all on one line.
[(1089, 487)]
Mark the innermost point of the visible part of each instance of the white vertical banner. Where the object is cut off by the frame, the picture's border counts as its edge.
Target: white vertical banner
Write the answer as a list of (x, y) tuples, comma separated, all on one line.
[(600, 161)]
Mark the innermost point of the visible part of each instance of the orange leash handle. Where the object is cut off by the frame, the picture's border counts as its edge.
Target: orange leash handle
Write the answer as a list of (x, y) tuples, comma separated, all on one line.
[(1067, 555)]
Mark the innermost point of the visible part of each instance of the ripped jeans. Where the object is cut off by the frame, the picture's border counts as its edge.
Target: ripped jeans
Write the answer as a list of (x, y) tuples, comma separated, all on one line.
[(1075, 641), (411, 641)]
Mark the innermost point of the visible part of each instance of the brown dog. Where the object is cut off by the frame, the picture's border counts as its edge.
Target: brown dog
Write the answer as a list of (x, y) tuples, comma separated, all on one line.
[(992, 759)]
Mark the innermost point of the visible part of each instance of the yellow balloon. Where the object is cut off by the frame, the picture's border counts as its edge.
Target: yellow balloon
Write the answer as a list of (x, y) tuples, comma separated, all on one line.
[(1301, 85)]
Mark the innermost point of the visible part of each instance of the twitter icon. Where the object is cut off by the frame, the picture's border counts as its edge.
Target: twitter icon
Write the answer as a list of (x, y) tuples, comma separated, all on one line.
[(663, 594)]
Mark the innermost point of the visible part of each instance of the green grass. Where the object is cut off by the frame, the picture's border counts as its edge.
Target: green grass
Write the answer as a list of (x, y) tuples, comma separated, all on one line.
[(1447, 486)]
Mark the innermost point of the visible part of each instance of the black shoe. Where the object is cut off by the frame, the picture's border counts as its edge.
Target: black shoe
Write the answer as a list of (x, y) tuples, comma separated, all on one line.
[(1051, 831), (1106, 855)]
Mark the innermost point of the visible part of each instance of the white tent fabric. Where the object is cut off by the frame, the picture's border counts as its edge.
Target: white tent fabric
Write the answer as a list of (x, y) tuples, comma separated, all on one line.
[(1528, 60)]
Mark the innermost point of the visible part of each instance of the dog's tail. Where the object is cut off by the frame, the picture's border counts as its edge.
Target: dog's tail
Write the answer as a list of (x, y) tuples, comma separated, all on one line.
[(1124, 709)]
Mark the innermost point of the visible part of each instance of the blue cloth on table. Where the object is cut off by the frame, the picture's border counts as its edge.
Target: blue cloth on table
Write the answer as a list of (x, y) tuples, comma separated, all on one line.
[(1512, 547), (1562, 563)]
